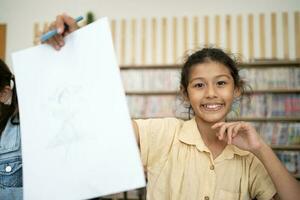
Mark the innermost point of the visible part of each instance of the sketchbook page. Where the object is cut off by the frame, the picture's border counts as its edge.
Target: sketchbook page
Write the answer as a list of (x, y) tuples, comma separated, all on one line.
[(77, 137)]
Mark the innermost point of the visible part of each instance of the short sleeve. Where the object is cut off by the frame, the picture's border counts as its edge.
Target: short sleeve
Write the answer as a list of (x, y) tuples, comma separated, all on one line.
[(156, 138), (261, 185)]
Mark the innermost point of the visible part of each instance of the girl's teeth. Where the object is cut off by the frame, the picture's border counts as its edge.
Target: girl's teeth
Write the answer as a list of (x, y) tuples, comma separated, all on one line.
[(213, 106)]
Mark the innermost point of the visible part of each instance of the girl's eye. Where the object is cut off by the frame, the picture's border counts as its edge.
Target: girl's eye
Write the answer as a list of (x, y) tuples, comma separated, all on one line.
[(199, 85), (221, 83)]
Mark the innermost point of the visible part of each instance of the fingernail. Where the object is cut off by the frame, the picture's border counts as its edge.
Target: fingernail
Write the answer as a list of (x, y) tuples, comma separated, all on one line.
[(59, 30)]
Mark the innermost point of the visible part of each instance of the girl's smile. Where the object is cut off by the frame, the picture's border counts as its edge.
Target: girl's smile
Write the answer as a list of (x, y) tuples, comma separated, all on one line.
[(212, 106)]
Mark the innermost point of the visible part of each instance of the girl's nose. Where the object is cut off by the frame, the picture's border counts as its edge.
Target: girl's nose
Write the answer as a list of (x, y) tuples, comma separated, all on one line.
[(210, 92)]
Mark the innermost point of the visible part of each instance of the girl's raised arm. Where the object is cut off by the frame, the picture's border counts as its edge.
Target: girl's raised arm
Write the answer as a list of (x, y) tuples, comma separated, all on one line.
[(286, 185), (136, 132)]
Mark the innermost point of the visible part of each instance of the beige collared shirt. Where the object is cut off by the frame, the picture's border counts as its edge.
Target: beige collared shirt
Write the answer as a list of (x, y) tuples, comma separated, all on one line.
[(180, 166)]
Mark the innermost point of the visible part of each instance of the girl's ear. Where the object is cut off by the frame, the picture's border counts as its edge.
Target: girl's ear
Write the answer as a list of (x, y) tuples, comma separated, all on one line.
[(237, 92), (5, 94), (184, 94)]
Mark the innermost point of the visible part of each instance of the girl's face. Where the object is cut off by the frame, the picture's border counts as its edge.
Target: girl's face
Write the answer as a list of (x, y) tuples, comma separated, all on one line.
[(211, 91)]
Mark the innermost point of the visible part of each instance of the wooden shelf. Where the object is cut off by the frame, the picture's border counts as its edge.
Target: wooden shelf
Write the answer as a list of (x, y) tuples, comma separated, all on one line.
[(249, 119), (286, 147), (266, 119), (259, 64), (277, 91), (271, 63), (140, 67), (157, 93)]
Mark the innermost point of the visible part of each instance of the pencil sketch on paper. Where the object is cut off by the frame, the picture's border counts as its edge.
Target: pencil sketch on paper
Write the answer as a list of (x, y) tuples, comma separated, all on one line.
[(66, 104)]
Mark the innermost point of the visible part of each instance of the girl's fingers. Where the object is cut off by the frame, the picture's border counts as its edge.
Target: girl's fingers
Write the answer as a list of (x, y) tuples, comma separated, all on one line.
[(230, 133), (70, 22), (216, 125), (236, 129), (226, 130), (60, 24), (222, 132), (59, 40), (53, 43)]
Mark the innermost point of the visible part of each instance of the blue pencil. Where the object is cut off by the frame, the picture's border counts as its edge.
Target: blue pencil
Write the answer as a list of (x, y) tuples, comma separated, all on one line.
[(50, 34)]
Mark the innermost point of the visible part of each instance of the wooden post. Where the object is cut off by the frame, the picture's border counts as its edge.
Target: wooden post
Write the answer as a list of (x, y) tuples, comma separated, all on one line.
[(196, 32), (217, 31), (133, 41), (143, 42), (175, 40), (285, 27), (123, 41), (228, 33), (297, 34), (185, 33), (239, 35), (164, 40), (262, 36), (251, 37), (274, 35), (206, 31), (154, 42)]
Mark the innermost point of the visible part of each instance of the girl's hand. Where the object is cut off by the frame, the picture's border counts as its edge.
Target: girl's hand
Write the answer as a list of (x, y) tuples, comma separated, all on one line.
[(240, 134), (61, 22)]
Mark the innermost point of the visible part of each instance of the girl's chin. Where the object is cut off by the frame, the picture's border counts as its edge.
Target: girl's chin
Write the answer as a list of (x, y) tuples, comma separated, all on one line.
[(211, 119)]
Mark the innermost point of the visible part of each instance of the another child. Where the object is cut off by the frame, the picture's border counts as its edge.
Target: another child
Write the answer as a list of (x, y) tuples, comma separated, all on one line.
[(10, 142), (206, 157)]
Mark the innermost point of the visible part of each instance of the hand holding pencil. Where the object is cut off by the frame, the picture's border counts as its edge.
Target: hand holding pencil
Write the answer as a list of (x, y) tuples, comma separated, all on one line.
[(61, 27)]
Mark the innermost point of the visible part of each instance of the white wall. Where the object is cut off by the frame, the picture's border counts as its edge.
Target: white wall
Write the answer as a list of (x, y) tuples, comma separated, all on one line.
[(20, 15)]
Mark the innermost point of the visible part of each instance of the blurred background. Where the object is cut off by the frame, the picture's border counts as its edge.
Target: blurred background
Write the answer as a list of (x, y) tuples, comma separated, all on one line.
[(151, 39)]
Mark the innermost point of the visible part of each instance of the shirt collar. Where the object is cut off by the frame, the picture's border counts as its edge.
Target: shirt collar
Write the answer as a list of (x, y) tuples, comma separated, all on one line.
[(190, 135), (230, 151)]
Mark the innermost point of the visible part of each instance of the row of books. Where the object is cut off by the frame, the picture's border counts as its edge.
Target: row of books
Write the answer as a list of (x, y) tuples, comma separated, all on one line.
[(278, 133), (272, 78), (155, 106), (151, 80), (168, 79), (291, 160), (268, 105), (258, 105)]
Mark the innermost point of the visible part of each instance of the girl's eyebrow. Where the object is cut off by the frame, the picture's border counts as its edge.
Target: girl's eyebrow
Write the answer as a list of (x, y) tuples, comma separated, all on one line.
[(203, 78), (226, 75)]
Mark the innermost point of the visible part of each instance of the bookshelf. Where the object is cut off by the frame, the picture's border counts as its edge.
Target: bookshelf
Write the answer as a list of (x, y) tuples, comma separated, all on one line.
[(275, 88)]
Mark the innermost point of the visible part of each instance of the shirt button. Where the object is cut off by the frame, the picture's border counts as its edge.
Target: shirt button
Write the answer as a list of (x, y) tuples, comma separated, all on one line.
[(212, 167), (206, 198), (8, 168)]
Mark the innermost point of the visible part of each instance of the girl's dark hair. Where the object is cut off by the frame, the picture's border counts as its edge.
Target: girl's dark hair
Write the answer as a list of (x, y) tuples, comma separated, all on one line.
[(206, 55), (8, 111)]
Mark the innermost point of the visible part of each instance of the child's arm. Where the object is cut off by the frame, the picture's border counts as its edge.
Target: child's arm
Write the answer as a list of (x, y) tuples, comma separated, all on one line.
[(244, 136), (136, 132), (287, 186)]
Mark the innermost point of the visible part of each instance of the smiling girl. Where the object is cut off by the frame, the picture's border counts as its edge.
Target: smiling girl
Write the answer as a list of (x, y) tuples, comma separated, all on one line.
[(205, 157)]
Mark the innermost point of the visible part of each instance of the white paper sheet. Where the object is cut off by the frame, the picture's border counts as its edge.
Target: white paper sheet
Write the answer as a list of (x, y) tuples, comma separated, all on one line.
[(77, 138)]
